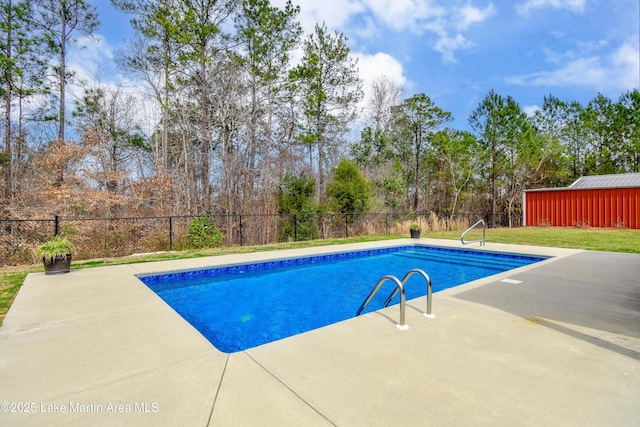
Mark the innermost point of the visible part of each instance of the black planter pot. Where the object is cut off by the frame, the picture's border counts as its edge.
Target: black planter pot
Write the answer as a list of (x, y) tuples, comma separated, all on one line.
[(58, 265), (415, 234)]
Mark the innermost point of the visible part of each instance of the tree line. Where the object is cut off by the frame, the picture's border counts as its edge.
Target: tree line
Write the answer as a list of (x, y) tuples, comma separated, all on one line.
[(224, 120)]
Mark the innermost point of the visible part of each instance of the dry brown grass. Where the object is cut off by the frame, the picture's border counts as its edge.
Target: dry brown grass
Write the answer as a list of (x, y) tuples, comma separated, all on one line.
[(431, 223)]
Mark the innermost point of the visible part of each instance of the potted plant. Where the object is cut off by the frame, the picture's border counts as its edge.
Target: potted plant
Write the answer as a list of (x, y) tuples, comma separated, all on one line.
[(415, 230), (56, 255)]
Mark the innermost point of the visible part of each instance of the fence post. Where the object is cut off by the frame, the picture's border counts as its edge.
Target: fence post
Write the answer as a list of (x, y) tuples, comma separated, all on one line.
[(346, 225), (295, 228), (386, 223), (240, 229), (170, 233), (56, 226)]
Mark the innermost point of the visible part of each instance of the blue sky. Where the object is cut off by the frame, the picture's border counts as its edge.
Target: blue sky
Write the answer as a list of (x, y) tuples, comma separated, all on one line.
[(456, 51)]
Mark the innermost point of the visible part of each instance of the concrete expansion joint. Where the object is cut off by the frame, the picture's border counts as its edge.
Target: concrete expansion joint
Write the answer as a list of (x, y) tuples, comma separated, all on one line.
[(215, 396), (288, 387)]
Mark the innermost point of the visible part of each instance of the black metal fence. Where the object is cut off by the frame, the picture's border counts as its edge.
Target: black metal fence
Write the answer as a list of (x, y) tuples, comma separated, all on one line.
[(111, 237)]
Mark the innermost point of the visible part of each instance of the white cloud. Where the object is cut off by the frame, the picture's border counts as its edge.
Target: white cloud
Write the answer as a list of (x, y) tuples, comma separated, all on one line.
[(368, 30), (584, 72), (448, 45), (422, 17), (468, 15), (366, 19), (374, 66), (401, 15), (530, 110), (625, 63), (334, 13), (89, 56), (380, 64), (619, 70), (570, 5)]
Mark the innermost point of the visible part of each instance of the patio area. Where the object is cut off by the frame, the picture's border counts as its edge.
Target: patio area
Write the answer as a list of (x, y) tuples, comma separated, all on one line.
[(97, 347)]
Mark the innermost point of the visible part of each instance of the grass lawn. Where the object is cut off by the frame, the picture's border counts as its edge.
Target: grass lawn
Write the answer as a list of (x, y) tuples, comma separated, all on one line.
[(611, 240), (597, 239)]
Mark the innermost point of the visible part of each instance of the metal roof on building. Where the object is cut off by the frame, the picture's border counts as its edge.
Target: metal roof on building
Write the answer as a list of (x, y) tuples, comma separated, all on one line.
[(621, 180)]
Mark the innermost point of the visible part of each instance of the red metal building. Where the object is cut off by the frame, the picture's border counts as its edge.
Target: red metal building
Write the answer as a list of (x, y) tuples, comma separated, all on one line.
[(594, 201)]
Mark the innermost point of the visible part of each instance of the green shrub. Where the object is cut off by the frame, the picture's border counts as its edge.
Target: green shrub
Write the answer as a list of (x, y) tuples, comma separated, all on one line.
[(202, 234), (295, 203), (349, 191)]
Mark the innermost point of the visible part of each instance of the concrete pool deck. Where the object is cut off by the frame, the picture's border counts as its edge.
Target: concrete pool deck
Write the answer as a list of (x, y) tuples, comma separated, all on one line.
[(561, 348)]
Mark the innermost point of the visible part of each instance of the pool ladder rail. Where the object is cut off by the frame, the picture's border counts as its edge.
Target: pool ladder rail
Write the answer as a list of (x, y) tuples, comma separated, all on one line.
[(403, 297), (483, 240)]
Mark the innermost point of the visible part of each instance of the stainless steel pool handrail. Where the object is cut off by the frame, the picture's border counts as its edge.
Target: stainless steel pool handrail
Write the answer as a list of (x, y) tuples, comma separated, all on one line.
[(429, 290), (484, 233), (400, 287)]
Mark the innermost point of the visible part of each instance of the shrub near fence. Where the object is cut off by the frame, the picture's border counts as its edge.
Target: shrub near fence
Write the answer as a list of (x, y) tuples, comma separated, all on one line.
[(112, 237)]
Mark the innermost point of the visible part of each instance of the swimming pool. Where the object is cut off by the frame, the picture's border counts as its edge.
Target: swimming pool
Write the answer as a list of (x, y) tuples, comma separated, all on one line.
[(245, 305)]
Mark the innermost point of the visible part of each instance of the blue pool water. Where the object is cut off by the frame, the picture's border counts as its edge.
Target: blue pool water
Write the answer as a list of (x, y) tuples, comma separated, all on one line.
[(242, 306)]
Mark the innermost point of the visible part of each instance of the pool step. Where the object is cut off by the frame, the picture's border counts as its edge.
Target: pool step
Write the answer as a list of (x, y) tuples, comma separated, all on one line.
[(501, 263)]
